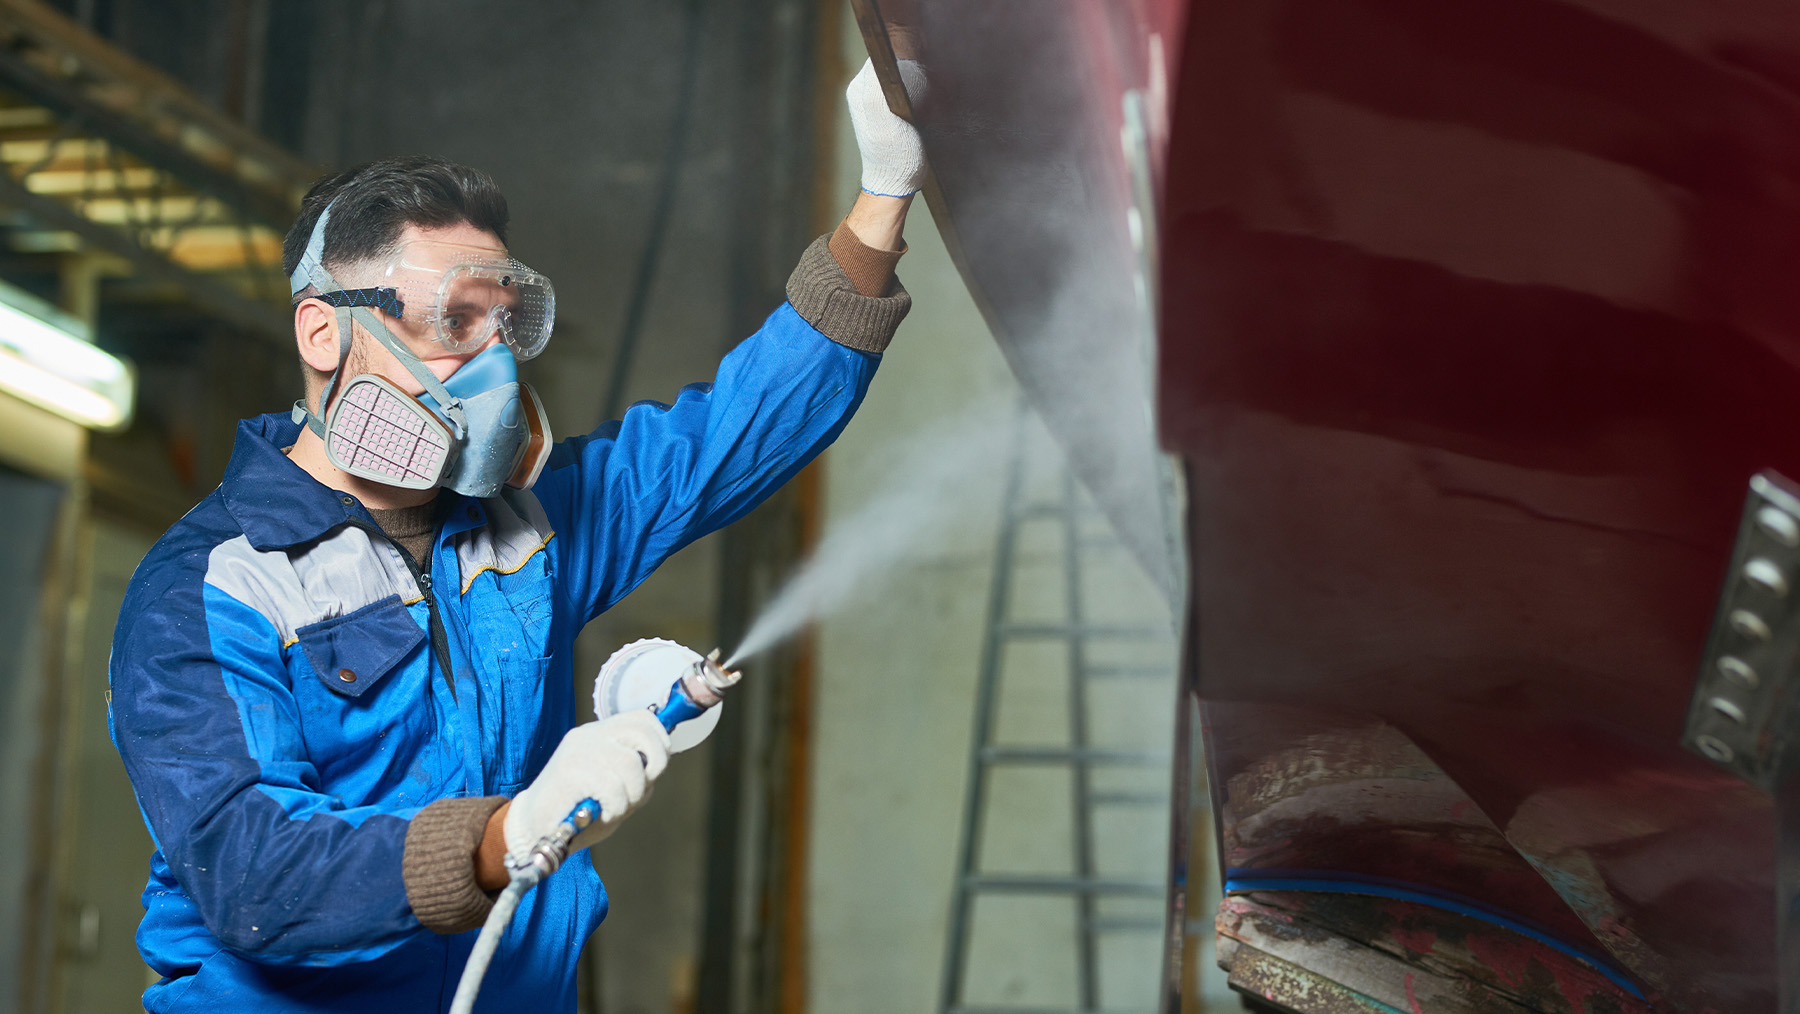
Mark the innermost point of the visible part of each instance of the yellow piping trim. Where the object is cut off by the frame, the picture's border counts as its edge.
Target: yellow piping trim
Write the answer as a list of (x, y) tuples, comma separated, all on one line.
[(408, 602), (469, 581)]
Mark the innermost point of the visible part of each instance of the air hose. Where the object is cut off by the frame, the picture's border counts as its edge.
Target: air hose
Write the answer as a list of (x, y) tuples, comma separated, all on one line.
[(701, 687)]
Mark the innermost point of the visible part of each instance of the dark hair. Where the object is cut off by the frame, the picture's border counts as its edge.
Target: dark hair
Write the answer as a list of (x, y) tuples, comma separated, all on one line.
[(376, 201)]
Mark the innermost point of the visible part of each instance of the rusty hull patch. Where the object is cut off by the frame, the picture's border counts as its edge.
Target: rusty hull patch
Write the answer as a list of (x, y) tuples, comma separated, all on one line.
[(1286, 984), (1413, 958)]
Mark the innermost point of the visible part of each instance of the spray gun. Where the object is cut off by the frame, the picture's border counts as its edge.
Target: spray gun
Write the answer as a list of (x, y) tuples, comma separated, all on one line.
[(694, 695)]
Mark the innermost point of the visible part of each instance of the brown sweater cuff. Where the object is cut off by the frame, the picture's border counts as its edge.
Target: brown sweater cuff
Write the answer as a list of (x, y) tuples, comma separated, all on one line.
[(871, 271), (438, 864), (822, 293)]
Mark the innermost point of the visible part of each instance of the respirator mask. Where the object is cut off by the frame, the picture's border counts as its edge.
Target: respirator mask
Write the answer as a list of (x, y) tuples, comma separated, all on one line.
[(473, 432)]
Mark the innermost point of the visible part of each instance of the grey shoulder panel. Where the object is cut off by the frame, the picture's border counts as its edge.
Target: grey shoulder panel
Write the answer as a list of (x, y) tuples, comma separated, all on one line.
[(339, 574), (525, 505), (260, 579), (517, 528), (822, 294)]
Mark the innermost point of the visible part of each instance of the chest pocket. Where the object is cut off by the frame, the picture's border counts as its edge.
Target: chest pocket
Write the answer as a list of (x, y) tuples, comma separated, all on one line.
[(352, 653), (510, 617), (360, 681)]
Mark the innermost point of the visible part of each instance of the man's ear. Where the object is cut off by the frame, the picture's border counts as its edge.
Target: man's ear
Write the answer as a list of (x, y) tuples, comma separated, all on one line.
[(315, 332)]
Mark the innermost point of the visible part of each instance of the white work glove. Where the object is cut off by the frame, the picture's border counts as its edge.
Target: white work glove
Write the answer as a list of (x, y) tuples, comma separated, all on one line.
[(613, 761), (893, 161)]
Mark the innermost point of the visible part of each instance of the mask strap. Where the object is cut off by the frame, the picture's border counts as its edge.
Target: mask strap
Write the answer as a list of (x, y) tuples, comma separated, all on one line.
[(451, 404), (301, 412)]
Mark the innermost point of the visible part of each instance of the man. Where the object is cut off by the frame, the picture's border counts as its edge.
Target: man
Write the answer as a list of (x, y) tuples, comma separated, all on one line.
[(341, 684)]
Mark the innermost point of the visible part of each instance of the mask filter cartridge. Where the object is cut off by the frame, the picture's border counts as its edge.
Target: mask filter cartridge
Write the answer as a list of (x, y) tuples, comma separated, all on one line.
[(377, 431)]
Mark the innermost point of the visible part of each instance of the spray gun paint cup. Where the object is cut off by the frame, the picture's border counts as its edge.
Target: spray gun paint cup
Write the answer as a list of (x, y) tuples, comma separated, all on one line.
[(638, 677)]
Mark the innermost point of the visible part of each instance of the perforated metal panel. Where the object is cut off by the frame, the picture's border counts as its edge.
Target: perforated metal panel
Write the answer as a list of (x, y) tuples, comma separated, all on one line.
[(1741, 717)]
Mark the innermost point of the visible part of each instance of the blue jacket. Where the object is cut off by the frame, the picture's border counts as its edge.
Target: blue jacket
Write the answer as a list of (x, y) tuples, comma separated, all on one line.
[(279, 699)]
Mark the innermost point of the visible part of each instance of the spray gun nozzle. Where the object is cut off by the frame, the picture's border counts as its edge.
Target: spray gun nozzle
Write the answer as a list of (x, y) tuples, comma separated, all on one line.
[(716, 674), (706, 681)]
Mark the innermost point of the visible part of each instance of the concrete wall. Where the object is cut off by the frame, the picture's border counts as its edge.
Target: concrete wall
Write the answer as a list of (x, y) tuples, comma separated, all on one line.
[(898, 681), (895, 678), (897, 687), (28, 550)]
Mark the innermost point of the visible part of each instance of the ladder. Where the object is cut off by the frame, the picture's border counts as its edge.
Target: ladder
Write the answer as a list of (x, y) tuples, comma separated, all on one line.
[(1080, 657)]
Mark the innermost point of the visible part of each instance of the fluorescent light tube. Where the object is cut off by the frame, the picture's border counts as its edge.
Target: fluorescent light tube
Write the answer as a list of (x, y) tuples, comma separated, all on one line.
[(45, 359)]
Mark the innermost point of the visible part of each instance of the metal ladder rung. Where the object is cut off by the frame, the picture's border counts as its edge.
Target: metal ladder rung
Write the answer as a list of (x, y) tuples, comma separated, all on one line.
[(1034, 1010), (1066, 755), (1131, 798), (1064, 630), (1129, 925), (1056, 511), (1131, 672), (1018, 884)]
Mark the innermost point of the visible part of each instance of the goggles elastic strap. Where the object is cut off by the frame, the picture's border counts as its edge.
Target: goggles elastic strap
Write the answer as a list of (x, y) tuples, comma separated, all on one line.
[(380, 298)]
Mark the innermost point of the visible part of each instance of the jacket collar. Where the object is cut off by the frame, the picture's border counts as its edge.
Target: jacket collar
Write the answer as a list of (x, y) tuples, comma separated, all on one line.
[(274, 501), (278, 504)]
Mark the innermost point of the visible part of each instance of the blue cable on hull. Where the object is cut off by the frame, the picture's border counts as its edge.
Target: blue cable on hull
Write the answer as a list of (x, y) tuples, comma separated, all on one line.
[(1241, 881)]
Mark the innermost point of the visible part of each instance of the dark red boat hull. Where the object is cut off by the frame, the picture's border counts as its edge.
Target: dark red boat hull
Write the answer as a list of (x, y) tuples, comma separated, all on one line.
[(1475, 322)]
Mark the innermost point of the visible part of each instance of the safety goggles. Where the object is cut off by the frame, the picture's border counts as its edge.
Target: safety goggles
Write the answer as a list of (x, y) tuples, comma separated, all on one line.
[(460, 298)]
